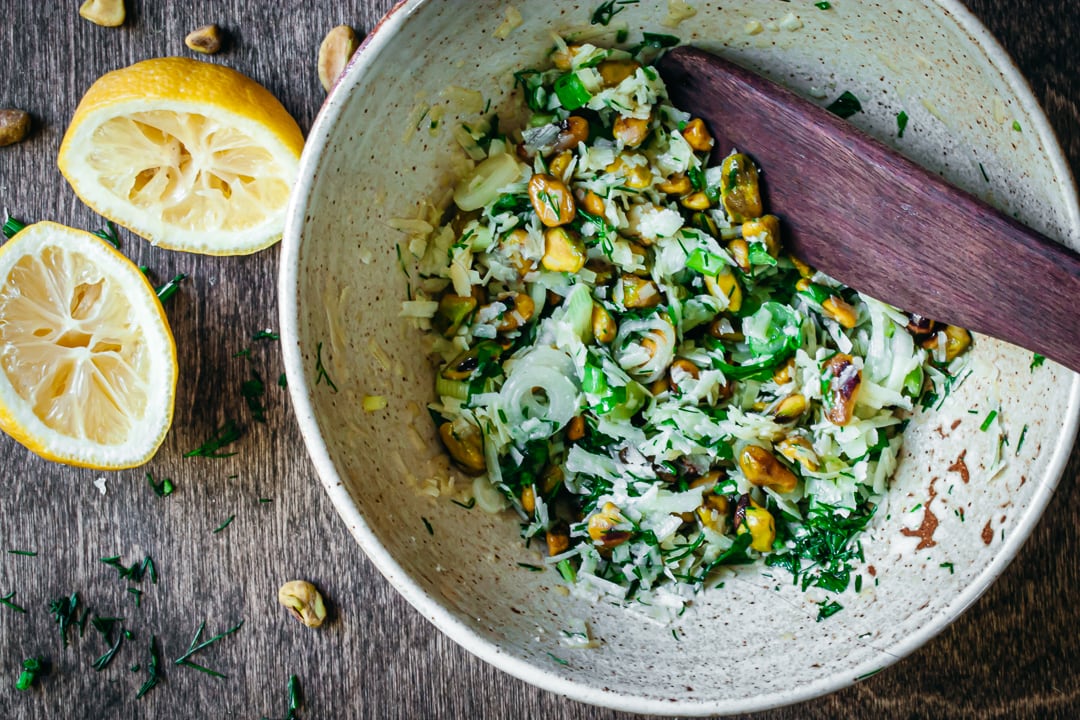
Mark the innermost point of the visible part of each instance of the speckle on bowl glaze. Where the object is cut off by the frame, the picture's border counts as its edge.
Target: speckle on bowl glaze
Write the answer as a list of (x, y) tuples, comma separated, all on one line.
[(949, 525)]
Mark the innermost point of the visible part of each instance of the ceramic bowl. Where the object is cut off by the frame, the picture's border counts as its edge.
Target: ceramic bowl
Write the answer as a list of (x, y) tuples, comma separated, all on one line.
[(375, 156)]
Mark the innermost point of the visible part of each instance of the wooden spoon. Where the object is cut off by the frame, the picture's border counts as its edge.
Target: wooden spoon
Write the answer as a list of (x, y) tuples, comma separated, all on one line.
[(862, 213)]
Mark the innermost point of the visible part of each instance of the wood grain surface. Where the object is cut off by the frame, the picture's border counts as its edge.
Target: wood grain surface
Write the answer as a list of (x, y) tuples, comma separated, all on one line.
[(1014, 654)]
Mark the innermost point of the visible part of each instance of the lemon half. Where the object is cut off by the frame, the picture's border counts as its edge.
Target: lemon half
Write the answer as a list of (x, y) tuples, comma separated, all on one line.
[(190, 155), (87, 360)]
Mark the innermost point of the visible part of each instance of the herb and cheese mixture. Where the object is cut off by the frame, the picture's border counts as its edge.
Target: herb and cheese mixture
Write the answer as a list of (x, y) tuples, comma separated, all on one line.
[(631, 361)]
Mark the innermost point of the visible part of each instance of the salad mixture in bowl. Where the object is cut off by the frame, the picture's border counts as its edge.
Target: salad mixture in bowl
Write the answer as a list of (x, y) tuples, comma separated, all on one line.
[(632, 362)]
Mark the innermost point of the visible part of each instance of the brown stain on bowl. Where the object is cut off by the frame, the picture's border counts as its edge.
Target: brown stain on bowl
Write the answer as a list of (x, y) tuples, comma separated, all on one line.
[(987, 533), (960, 466), (929, 524)]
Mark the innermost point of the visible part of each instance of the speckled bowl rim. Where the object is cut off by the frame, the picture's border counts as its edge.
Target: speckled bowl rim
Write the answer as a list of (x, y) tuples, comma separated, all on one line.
[(300, 391)]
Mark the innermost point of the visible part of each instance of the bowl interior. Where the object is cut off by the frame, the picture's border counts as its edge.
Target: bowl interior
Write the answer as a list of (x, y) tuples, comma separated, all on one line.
[(382, 152)]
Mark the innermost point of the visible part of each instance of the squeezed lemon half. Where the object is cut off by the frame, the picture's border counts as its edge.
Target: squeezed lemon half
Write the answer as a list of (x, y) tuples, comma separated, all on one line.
[(87, 360), (190, 155)]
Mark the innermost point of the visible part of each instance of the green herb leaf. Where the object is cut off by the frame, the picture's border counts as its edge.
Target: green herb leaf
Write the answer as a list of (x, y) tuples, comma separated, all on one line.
[(571, 92), (901, 123), (169, 289), (161, 489), (604, 13), (7, 600), (196, 646), (266, 335), (987, 422), (12, 226), (430, 530), (27, 553), (225, 524), (320, 369), (252, 390), (1016, 126), (32, 667), (828, 609), (822, 5), (228, 433), (108, 234), (153, 672), (1036, 361), (105, 627), (845, 106), (283, 381), (983, 171), (64, 610)]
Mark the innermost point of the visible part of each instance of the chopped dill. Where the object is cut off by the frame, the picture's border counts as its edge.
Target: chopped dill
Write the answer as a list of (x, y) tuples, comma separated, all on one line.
[(265, 500), (823, 5), (196, 646), (983, 171), (530, 567), (606, 11), (9, 602), (558, 659), (828, 609), (266, 335), (108, 234), (283, 381), (105, 627), (64, 611), (869, 674), (294, 699), (138, 595), (950, 567), (901, 123), (161, 489), (228, 433), (988, 421), (225, 524), (251, 390), (467, 505), (430, 530), (1020, 442), (154, 673), (1036, 361), (27, 553), (320, 369), (135, 572)]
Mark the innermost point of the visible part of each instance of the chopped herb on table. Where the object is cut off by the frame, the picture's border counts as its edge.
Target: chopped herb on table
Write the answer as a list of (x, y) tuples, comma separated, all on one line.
[(64, 611), (108, 234), (12, 226), (152, 669), (196, 646), (227, 523), (294, 699), (169, 289), (252, 390), (8, 601), (26, 553), (32, 667), (228, 433), (161, 489)]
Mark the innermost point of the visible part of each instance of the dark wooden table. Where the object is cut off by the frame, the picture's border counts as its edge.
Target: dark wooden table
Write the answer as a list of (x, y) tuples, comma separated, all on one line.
[(1015, 653)]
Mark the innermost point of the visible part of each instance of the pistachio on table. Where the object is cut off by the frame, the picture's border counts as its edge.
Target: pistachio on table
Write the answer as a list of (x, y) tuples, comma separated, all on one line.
[(107, 13), (206, 39), (14, 126), (303, 601)]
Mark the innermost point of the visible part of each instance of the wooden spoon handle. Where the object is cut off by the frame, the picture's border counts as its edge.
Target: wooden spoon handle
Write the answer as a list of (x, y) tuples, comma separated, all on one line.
[(876, 221)]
